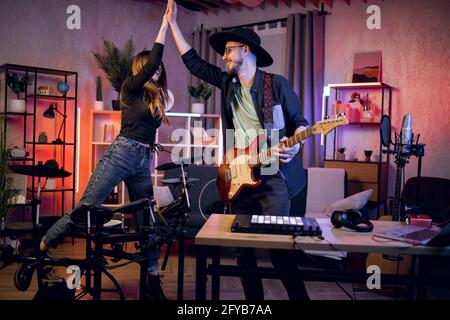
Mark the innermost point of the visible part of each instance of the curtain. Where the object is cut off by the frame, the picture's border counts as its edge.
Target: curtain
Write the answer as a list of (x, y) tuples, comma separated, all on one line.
[(305, 44), (201, 44)]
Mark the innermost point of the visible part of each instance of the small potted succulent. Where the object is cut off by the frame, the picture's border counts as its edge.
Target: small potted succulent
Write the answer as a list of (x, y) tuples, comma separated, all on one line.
[(18, 86), (200, 95), (341, 153)]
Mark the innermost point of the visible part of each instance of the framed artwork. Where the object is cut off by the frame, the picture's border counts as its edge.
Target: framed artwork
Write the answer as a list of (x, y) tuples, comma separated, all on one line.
[(367, 67)]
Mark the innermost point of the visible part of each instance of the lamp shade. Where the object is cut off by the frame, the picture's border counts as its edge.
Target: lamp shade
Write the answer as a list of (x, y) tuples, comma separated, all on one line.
[(50, 112)]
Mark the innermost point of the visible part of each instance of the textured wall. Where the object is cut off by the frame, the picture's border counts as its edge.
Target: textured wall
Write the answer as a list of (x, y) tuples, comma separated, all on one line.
[(414, 39), (34, 32), (415, 42)]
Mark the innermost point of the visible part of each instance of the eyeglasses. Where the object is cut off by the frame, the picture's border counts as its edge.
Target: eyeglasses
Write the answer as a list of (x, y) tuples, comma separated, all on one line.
[(228, 49)]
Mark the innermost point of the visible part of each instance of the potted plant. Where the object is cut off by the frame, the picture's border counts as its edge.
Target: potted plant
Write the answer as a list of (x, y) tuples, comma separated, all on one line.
[(18, 86), (99, 104), (116, 63), (200, 95), (341, 153)]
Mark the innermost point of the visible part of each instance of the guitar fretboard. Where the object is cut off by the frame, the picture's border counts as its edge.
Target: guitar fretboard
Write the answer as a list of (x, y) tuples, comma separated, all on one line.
[(296, 138)]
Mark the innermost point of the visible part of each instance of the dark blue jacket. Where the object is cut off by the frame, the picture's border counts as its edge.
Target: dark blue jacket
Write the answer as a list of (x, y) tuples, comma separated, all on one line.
[(286, 108)]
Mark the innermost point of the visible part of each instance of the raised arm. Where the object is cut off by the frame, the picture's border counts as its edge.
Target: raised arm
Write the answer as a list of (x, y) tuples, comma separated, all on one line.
[(171, 16), (154, 61), (197, 66)]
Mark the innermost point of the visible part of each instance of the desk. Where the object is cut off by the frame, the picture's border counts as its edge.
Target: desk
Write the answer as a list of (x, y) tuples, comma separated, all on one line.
[(216, 233)]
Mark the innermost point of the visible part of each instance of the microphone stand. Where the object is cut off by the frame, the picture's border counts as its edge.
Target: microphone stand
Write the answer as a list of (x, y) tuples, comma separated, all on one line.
[(401, 159)]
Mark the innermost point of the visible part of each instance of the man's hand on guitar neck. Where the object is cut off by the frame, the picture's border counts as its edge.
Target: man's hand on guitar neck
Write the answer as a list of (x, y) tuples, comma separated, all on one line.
[(286, 154)]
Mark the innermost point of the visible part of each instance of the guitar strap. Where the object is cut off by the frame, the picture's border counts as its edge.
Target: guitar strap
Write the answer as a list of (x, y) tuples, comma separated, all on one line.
[(267, 109)]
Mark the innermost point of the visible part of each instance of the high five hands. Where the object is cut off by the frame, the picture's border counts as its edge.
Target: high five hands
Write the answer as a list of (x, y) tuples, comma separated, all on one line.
[(171, 12)]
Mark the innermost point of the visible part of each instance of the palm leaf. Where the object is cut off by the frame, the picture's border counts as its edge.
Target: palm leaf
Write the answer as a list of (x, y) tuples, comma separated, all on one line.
[(116, 62)]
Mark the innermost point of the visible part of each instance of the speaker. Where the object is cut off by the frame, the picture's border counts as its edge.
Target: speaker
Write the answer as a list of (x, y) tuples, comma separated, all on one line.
[(352, 219)]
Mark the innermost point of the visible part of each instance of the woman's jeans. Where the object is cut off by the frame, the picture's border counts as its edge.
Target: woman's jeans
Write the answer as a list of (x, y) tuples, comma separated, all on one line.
[(125, 160)]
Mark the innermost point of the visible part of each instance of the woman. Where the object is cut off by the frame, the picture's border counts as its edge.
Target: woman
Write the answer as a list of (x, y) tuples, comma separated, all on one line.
[(143, 97)]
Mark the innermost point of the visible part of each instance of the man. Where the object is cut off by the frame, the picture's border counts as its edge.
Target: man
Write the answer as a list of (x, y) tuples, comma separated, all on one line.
[(242, 92)]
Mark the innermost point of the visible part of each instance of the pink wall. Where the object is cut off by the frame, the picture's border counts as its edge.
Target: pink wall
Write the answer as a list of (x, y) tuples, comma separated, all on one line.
[(415, 43), (34, 32), (414, 39)]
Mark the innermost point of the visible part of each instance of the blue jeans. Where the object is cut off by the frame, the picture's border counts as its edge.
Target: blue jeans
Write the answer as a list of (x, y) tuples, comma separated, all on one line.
[(125, 160)]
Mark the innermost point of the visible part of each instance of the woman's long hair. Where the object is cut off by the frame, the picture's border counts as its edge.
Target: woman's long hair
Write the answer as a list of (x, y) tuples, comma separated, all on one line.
[(155, 92)]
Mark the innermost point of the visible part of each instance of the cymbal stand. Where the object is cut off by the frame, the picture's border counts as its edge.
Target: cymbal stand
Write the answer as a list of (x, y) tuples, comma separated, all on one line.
[(181, 212)]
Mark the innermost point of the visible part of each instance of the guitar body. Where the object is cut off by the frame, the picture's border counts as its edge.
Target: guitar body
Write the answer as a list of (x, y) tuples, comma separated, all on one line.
[(236, 172)]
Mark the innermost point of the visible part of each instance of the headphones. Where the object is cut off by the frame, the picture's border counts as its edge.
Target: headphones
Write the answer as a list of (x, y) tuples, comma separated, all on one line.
[(351, 219)]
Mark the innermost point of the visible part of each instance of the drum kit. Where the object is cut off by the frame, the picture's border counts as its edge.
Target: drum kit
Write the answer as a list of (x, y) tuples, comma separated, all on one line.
[(176, 212), (49, 169)]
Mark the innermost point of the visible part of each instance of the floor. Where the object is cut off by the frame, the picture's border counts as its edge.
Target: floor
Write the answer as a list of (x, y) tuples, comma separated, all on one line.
[(231, 289)]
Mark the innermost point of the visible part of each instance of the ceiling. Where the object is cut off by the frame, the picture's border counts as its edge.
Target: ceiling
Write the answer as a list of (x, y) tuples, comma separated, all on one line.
[(215, 6)]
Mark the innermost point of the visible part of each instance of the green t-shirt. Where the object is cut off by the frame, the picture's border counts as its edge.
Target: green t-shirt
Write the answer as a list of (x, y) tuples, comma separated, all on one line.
[(245, 119)]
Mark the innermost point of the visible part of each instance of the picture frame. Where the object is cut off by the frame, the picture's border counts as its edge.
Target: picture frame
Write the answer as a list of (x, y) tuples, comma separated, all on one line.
[(367, 67)]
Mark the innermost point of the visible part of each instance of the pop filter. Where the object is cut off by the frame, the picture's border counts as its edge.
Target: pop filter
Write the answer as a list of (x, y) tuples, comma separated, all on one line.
[(385, 130)]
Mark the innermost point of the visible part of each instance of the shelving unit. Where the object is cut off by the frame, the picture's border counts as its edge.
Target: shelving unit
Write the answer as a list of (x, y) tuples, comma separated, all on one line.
[(164, 136), (362, 175), (22, 131)]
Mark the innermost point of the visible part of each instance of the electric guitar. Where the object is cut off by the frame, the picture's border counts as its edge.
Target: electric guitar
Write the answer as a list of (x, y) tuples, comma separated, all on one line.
[(236, 169)]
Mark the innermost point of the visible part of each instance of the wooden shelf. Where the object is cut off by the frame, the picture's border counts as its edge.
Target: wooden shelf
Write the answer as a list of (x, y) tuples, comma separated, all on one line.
[(16, 67), (51, 143), (364, 124), (49, 97), (21, 114), (368, 85), (20, 159), (66, 189), (355, 161), (99, 143)]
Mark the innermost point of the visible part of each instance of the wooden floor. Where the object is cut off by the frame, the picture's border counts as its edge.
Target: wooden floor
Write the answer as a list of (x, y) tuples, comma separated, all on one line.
[(231, 289)]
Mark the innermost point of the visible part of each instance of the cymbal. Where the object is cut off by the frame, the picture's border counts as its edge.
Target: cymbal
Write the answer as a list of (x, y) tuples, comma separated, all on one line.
[(170, 166), (177, 163), (178, 180), (40, 171)]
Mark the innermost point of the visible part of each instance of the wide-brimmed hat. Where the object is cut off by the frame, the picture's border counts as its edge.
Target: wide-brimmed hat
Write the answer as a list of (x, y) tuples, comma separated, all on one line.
[(245, 36)]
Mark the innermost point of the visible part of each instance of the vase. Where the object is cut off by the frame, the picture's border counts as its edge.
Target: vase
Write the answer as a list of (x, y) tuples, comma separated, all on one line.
[(198, 108), (354, 111), (115, 105), (366, 115), (108, 133), (340, 156), (18, 106), (99, 105)]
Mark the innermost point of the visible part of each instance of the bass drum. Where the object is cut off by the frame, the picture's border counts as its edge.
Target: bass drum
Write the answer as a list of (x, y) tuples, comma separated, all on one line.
[(209, 200)]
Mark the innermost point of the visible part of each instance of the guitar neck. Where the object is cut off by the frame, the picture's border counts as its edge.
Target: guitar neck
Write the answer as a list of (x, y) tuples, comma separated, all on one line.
[(296, 138)]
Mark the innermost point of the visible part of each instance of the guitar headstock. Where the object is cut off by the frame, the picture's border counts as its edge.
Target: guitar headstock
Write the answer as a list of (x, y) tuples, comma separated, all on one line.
[(329, 124)]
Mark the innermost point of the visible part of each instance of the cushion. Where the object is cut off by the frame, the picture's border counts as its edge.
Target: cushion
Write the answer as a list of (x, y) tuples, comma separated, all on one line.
[(325, 185), (356, 201), (163, 196)]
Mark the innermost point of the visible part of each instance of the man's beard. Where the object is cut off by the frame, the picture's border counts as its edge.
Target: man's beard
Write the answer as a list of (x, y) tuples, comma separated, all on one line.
[(236, 67)]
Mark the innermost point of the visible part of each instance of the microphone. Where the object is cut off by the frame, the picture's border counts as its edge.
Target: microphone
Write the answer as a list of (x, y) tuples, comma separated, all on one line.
[(406, 134)]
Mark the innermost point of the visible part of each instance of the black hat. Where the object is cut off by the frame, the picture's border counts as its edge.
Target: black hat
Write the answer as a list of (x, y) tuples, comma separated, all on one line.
[(243, 35)]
